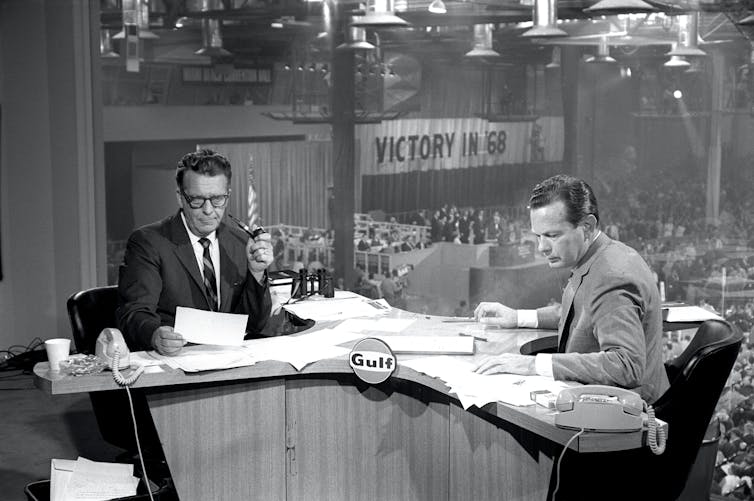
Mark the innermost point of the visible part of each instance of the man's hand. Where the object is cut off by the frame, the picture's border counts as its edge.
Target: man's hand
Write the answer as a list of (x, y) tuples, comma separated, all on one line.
[(508, 363), (496, 314), (166, 341), (259, 253)]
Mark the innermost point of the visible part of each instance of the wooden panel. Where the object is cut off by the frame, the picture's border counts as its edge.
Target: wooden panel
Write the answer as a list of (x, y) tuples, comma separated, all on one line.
[(496, 460), (224, 442), (365, 443)]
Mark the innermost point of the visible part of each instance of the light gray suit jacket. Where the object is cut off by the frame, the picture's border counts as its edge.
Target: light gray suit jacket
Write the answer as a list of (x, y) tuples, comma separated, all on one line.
[(610, 322)]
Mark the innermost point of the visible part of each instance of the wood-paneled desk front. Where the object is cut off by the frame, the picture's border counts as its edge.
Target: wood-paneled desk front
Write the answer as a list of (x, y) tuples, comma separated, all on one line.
[(270, 432)]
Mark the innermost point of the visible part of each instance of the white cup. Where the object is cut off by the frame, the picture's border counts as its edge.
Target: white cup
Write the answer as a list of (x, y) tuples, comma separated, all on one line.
[(57, 350)]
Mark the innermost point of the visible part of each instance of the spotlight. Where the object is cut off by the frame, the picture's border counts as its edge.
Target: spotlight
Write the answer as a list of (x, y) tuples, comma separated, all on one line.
[(677, 94)]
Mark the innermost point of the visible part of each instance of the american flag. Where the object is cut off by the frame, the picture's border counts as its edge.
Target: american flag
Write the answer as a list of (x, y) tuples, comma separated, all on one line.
[(252, 206)]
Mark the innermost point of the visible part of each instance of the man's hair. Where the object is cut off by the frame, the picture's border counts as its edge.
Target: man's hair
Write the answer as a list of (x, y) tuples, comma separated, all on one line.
[(577, 196), (205, 162)]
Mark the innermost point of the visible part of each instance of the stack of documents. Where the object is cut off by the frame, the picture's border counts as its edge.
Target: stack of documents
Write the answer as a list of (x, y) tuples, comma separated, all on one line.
[(682, 313), (83, 479), (344, 305), (480, 389)]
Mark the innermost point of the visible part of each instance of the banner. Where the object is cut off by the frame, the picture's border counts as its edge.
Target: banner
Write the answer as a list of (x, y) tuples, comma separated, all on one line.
[(398, 146)]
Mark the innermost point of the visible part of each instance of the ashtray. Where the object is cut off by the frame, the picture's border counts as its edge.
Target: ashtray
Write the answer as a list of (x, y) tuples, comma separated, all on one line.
[(79, 365)]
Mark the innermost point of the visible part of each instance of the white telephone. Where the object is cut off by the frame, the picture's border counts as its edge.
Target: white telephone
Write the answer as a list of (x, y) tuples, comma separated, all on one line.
[(600, 408), (109, 343), (112, 349)]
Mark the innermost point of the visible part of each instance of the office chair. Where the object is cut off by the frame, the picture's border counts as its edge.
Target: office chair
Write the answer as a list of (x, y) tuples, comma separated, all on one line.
[(697, 378), (89, 312)]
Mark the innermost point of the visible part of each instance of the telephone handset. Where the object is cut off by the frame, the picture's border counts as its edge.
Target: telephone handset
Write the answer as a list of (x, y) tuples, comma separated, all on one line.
[(112, 349), (602, 408)]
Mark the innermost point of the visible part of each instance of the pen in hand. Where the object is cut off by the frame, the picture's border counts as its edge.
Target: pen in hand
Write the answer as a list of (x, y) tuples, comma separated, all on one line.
[(252, 233)]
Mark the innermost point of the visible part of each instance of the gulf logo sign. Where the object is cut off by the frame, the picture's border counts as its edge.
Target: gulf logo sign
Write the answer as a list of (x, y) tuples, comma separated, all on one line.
[(372, 360)]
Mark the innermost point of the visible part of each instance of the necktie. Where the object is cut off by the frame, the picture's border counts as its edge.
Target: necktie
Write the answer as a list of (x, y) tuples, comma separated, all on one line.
[(210, 285), (567, 302)]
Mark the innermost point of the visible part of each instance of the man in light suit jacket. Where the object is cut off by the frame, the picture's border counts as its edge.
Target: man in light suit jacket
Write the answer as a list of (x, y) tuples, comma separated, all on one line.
[(192, 259), (610, 319)]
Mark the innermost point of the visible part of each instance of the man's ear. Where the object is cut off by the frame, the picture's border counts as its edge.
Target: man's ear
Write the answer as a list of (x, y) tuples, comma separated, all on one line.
[(178, 198), (590, 225)]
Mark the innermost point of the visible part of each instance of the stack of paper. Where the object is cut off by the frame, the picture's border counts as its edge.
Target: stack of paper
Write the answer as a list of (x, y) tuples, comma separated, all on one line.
[(479, 389), (83, 479), (344, 305), (688, 314)]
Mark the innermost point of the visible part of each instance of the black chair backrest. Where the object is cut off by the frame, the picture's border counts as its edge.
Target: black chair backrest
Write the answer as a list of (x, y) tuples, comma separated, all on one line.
[(697, 379), (90, 311)]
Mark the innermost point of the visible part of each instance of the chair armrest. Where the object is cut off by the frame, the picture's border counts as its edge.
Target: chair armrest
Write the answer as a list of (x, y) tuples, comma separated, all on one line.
[(548, 344)]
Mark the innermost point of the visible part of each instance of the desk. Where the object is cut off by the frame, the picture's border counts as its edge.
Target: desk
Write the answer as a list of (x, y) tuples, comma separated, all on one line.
[(269, 432)]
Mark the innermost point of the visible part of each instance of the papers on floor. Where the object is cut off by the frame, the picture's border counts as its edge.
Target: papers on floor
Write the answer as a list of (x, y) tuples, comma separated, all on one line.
[(688, 314), (83, 479), (344, 305), (479, 389), (210, 327)]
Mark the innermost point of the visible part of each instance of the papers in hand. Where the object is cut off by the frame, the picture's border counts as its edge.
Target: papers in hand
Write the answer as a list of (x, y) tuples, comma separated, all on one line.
[(209, 327), (83, 479)]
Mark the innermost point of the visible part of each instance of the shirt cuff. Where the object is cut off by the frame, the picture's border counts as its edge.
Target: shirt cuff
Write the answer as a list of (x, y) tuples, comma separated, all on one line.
[(527, 318), (543, 364)]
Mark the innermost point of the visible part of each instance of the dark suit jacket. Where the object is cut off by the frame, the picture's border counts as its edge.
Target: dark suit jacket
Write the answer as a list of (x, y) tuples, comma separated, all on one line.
[(160, 272), (610, 322)]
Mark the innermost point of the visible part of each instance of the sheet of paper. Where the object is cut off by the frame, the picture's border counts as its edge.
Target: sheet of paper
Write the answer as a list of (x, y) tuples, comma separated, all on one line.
[(331, 337), (338, 308), (207, 357), (295, 350), (144, 358), (60, 473), (85, 480), (380, 324), (209, 327), (689, 314), (478, 389), (450, 345)]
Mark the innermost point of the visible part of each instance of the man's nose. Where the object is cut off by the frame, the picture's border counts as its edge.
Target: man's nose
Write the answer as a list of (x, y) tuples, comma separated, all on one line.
[(207, 207), (542, 246)]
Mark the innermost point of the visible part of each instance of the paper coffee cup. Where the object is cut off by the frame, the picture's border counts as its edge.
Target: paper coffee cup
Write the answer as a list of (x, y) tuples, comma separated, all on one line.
[(57, 350)]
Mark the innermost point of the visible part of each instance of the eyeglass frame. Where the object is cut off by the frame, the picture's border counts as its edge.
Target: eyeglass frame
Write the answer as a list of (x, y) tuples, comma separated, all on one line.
[(191, 200)]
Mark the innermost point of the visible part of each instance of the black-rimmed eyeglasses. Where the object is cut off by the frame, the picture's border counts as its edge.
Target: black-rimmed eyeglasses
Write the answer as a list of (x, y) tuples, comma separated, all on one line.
[(217, 201)]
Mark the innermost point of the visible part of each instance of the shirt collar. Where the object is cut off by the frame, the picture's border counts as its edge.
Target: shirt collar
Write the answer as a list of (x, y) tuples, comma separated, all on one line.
[(596, 244), (212, 237)]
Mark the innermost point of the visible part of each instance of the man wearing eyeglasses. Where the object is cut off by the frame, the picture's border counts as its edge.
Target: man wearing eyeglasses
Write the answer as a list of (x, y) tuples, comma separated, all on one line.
[(192, 259)]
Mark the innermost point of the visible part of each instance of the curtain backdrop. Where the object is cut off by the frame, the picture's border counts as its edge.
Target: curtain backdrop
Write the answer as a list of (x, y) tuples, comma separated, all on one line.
[(290, 179)]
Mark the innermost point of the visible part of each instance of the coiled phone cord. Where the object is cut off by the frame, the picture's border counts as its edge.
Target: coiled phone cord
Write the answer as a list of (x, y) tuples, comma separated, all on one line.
[(125, 382), (655, 434)]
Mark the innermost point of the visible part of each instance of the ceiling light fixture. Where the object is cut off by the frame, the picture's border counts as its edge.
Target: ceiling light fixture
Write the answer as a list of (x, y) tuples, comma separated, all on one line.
[(212, 37), (544, 17), (136, 12), (437, 7), (688, 37), (357, 40), (482, 42), (613, 7), (603, 53), (379, 14), (106, 45), (555, 61), (676, 62)]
